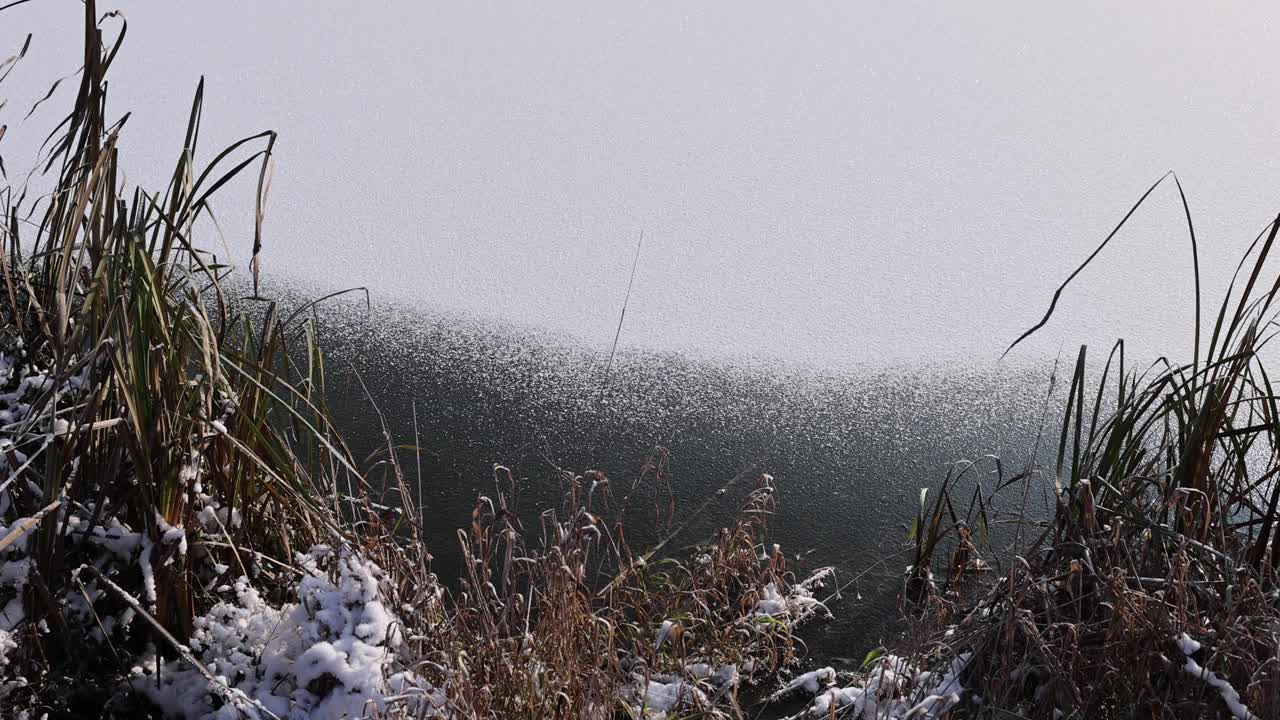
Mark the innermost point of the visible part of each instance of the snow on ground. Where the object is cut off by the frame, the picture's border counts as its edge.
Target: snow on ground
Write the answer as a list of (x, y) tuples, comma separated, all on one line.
[(14, 571), (333, 654), (808, 683), (1230, 696), (893, 689)]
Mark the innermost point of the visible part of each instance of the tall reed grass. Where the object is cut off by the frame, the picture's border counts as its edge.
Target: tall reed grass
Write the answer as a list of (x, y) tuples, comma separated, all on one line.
[(1164, 527)]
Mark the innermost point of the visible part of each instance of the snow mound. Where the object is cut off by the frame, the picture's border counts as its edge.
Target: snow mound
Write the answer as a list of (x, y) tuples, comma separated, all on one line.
[(895, 688), (333, 654), (658, 697)]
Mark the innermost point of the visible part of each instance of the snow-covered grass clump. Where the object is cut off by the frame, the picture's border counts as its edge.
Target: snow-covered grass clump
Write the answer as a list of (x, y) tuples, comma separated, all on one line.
[(893, 689), (335, 653), (797, 604)]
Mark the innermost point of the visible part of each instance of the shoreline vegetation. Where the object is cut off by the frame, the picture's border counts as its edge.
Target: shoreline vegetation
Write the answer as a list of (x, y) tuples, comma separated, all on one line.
[(184, 533)]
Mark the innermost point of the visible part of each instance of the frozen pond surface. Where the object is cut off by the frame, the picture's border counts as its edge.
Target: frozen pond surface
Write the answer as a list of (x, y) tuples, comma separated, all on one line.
[(849, 450)]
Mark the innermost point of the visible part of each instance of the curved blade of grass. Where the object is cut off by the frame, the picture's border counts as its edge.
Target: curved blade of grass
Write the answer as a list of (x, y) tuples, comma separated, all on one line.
[(1053, 304)]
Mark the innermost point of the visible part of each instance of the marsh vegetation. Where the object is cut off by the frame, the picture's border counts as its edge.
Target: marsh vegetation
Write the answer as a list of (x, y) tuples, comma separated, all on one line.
[(184, 531)]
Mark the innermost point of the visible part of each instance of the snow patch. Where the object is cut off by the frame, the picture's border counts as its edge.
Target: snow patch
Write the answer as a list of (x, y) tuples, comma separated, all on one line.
[(895, 689), (334, 654), (1230, 696)]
